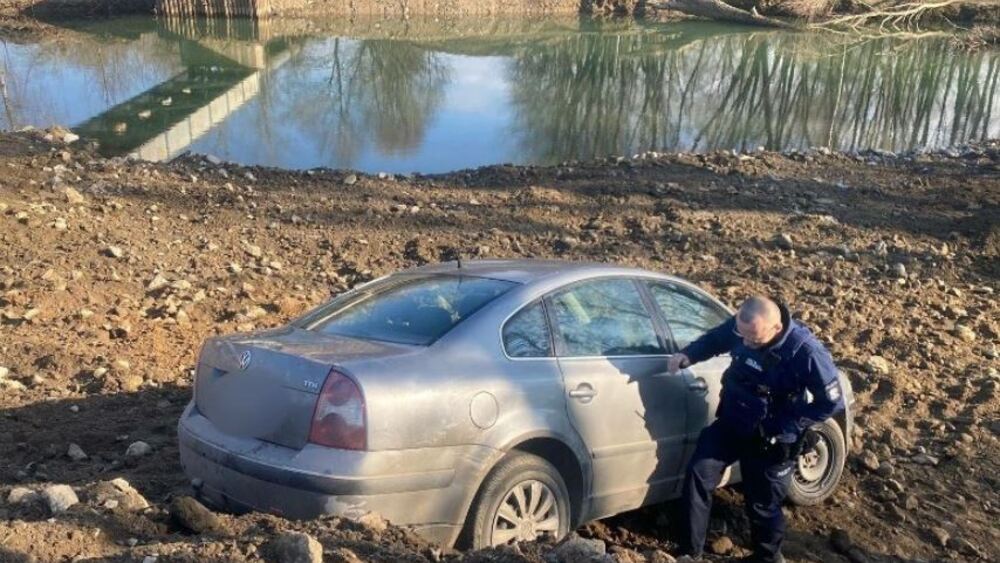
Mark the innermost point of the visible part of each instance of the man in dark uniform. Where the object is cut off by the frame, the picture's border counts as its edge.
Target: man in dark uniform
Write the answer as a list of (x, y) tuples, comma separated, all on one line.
[(762, 419)]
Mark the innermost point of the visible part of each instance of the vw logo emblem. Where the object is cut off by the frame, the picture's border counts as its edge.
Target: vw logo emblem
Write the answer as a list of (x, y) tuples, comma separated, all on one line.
[(245, 358)]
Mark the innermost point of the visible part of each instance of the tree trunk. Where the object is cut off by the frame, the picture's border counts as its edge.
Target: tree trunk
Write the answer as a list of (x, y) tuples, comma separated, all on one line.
[(718, 10)]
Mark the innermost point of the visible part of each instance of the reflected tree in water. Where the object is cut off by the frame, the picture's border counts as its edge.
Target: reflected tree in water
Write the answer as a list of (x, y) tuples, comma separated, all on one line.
[(599, 94), (110, 64), (384, 90)]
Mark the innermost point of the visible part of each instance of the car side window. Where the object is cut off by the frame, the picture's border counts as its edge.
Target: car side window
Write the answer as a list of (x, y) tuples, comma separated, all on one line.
[(604, 318), (688, 314), (526, 334)]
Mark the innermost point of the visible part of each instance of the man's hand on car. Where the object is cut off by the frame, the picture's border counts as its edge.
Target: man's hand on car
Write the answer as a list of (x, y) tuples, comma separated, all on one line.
[(677, 362)]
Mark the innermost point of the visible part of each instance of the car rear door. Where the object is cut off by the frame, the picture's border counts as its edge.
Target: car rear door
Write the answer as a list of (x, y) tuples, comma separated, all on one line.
[(690, 313), (628, 412)]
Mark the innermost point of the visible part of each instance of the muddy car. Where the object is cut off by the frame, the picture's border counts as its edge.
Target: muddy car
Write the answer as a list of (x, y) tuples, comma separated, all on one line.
[(478, 403)]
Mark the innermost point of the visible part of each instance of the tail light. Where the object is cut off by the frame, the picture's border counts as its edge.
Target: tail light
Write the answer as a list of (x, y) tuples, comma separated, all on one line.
[(339, 418)]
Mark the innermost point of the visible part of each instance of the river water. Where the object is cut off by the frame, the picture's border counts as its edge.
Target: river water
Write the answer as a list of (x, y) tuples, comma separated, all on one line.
[(439, 95)]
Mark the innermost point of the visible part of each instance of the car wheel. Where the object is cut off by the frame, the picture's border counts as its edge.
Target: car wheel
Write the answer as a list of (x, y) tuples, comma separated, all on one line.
[(818, 471), (523, 498)]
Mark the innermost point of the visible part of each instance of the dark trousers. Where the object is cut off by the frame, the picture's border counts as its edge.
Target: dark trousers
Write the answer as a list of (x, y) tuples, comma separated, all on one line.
[(765, 484)]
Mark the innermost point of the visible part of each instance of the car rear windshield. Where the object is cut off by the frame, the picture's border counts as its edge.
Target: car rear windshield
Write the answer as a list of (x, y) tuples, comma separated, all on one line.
[(407, 309)]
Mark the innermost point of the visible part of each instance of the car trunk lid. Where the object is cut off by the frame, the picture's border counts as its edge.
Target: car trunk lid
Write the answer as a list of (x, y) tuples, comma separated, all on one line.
[(265, 385)]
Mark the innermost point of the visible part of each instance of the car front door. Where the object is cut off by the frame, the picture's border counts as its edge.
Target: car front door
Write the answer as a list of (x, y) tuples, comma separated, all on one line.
[(689, 314), (628, 411)]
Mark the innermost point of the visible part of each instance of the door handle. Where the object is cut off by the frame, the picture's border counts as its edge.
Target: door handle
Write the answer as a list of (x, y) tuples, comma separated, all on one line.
[(583, 392), (698, 386)]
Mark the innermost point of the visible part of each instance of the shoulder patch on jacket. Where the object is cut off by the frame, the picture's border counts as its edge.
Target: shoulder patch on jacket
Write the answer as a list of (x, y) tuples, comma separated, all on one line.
[(833, 391)]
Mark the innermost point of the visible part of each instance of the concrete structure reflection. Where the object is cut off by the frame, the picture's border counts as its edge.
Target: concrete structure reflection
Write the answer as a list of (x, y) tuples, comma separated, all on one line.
[(226, 62)]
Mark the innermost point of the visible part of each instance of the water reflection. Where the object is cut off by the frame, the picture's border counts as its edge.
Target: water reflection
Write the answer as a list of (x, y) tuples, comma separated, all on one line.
[(603, 94), (433, 102), (224, 65), (68, 80), (384, 90)]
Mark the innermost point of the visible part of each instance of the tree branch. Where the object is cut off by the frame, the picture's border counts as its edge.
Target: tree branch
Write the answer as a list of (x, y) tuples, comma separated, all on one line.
[(894, 17)]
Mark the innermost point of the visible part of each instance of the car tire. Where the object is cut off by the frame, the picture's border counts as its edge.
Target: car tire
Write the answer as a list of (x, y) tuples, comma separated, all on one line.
[(817, 473), (527, 473)]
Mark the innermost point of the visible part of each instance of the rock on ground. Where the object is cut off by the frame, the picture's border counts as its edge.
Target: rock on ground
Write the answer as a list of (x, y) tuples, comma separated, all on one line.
[(374, 521), (964, 546), (76, 453), (343, 555), (575, 549), (157, 283), (59, 498), (784, 241), (660, 556), (878, 365), (138, 449), (21, 495), (191, 515), (869, 460), (940, 535), (722, 545), (296, 547), (118, 493), (73, 197), (965, 333)]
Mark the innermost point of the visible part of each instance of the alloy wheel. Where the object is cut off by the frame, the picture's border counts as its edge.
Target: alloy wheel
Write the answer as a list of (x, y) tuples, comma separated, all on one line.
[(528, 511)]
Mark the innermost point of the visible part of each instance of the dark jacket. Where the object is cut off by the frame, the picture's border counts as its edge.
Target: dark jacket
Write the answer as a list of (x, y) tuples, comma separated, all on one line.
[(780, 374)]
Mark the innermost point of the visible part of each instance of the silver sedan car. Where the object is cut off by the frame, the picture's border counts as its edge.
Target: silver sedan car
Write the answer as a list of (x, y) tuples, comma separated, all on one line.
[(477, 403)]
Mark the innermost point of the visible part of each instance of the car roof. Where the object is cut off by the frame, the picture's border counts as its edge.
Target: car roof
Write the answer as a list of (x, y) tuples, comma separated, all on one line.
[(529, 270)]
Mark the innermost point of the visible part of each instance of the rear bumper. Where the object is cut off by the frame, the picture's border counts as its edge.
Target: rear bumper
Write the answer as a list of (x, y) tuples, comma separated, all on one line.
[(427, 490)]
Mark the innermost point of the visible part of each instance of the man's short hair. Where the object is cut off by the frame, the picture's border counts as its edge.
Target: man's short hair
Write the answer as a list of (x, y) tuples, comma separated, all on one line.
[(758, 306)]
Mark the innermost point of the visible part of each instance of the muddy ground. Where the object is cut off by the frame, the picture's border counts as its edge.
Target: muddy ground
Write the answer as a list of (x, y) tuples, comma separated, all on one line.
[(112, 272)]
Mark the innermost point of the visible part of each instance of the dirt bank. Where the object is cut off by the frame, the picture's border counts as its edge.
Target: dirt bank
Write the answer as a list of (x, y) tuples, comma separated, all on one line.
[(37, 15), (39, 18), (111, 274)]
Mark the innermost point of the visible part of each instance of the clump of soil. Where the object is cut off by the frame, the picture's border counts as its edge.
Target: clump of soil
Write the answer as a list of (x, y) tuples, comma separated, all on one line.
[(112, 272)]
